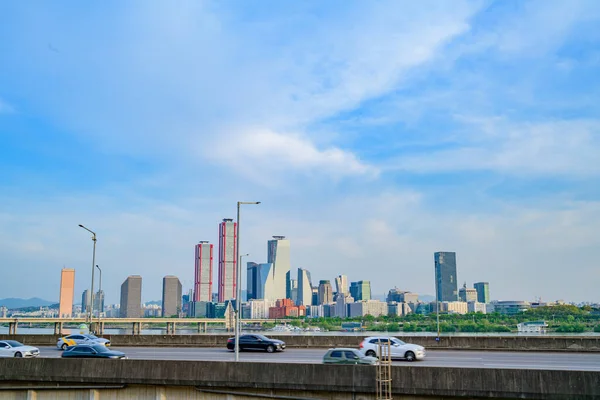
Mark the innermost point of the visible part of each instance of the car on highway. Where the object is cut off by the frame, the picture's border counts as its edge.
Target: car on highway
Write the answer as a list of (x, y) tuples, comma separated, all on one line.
[(347, 356), (91, 351), (12, 348), (398, 349), (257, 342), (74, 339)]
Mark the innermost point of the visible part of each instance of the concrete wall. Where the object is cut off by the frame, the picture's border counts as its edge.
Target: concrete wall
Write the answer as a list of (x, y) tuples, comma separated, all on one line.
[(281, 378), (506, 343)]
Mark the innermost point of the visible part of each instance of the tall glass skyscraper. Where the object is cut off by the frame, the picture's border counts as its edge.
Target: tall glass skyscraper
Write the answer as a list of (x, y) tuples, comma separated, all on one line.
[(203, 271), (341, 284), (304, 296), (360, 290), (445, 276), (278, 254), (227, 260), (252, 280), (483, 292)]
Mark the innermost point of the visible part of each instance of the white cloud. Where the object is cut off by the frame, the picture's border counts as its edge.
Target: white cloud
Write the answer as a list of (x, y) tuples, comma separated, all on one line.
[(259, 152), (569, 148)]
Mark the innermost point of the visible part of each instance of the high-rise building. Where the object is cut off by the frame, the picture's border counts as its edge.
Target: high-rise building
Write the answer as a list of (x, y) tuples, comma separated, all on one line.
[(315, 296), (252, 280), (86, 301), (228, 260), (171, 297), (99, 301), (67, 289), (291, 287), (131, 297), (360, 290), (273, 273), (466, 294), (203, 271), (483, 292), (341, 284), (304, 297), (325, 292), (445, 276)]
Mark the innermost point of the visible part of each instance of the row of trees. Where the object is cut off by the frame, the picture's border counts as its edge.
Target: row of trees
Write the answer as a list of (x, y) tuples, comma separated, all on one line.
[(561, 318)]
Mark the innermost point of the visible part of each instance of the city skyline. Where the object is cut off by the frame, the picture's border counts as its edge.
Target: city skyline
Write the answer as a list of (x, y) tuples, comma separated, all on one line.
[(370, 139)]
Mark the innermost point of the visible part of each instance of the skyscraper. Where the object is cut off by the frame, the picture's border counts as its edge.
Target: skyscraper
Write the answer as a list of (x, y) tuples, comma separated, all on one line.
[(273, 273), (360, 290), (99, 301), (325, 292), (171, 297), (304, 296), (341, 284), (67, 289), (252, 280), (291, 287), (86, 301), (445, 276), (227, 260), (131, 297), (483, 292), (203, 271)]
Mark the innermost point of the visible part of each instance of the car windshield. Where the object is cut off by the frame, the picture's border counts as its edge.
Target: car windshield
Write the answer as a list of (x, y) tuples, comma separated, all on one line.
[(13, 343), (398, 341), (262, 337), (100, 349), (90, 336)]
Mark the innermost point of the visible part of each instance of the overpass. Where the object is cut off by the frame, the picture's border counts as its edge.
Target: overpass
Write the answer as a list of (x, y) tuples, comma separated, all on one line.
[(51, 378), (98, 325)]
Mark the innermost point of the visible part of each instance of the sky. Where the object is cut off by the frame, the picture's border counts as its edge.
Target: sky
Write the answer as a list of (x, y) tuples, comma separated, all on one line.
[(373, 134)]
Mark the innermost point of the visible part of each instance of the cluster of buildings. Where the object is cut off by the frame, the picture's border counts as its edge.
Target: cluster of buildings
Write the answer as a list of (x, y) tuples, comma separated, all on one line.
[(274, 290)]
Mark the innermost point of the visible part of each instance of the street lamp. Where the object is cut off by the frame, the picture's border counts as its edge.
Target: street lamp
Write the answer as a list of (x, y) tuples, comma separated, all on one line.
[(100, 300), (238, 295), (93, 264)]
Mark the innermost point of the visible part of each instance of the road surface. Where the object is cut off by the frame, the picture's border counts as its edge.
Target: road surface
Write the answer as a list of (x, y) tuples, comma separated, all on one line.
[(435, 358)]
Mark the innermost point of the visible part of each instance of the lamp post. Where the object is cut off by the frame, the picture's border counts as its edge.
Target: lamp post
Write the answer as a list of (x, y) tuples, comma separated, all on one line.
[(93, 265), (238, 291), (437, 302), (100, 301)]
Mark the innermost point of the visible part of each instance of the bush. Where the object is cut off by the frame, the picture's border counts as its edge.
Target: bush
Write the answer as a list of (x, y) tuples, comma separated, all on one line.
[(597, 328)]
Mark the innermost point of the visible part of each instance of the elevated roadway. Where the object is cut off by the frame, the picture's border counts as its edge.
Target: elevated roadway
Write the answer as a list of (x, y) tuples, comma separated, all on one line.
[(435, 358)]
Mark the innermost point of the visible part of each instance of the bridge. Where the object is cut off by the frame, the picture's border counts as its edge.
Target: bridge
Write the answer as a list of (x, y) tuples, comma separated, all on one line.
[(98, 325), (53, 378)]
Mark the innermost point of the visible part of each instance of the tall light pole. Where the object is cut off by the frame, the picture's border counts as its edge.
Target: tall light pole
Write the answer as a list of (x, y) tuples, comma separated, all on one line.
[(93, 265), (100, 301), (437, 302), (238, 279)]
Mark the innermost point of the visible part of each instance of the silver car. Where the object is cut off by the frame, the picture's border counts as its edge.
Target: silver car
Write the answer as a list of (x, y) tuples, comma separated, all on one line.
[(12, 348)]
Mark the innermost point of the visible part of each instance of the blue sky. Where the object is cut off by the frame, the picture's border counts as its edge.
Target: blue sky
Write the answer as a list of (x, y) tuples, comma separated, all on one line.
[(373, 133)]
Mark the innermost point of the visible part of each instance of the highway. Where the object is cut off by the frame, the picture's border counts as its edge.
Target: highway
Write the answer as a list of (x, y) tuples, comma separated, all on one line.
[(435, 358)]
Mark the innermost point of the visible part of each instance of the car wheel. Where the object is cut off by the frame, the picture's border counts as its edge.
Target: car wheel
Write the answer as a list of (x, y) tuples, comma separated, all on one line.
[(410, 356), (64, 346), (18, 354), (270, 349), (371, 353)]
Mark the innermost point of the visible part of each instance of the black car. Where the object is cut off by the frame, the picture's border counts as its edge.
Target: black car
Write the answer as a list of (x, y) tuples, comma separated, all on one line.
[(91, 351), (257, 342)]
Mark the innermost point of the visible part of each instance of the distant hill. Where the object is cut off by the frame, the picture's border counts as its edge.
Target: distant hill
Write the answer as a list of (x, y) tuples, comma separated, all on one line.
[(13, 303), (154, 303)]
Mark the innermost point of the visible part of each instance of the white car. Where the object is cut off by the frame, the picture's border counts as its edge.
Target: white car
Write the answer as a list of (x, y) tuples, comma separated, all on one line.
[(74, 339), (398, 348), (12, 348)]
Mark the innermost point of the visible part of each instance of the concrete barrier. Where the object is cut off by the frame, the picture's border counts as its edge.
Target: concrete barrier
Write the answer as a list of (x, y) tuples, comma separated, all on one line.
[(280, 378), (500, 343)]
